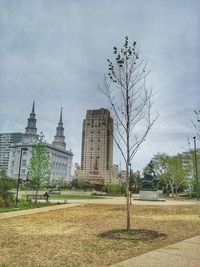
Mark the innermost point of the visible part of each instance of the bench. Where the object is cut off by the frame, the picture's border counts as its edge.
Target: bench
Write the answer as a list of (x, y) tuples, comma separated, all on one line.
[(30, 197)]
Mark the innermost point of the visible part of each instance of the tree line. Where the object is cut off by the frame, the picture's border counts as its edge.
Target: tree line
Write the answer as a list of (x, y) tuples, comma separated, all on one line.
[(177, 172)]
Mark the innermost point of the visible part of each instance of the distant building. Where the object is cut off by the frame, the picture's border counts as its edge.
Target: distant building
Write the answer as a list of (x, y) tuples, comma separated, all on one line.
[(60, 158), (6, 140), (97, 147)]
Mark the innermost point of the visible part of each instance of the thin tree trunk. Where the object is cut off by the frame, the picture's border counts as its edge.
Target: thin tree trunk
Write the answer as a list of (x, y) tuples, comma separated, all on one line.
[(128, 150), (176, 191), (172, 189), (167, 190), (36, 193), (127, 200), (190, 191)]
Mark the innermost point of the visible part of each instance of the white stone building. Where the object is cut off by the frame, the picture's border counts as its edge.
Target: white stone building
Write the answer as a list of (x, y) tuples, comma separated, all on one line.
[(60, 158)]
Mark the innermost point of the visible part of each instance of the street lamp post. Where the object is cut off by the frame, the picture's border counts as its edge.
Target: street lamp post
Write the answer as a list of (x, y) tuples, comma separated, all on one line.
[(18, 179), (196, 172)]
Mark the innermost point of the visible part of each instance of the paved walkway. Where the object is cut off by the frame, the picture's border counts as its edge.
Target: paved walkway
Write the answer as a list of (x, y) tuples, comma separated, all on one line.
[(122, 201), (5, 215), (182, 254)]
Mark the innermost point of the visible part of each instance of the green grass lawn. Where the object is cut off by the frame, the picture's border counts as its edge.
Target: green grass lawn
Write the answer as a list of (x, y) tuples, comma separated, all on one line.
[(57, 196)]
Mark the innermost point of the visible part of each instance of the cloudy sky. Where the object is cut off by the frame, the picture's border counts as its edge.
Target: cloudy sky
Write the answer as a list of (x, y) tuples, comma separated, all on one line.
[(55, 51)]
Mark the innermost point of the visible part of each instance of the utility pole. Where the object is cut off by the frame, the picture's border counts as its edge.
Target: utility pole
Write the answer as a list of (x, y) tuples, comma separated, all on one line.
[(196, 168)]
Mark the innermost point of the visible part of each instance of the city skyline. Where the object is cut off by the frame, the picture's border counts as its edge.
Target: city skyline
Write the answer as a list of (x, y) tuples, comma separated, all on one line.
[(55, 54)]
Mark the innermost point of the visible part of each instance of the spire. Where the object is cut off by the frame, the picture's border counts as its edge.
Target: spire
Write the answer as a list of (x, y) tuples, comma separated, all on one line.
[(31, 130), (59, 138), (61, 115), (33, 108)]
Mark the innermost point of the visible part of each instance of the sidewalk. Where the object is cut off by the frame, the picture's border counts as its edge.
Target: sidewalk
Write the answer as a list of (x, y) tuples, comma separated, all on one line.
[(182, 254), (122, 201), (5, 215)]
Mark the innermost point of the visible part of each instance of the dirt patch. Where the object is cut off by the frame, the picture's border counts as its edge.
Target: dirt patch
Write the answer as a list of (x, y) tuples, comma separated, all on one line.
[(73, 236), (135, 235)]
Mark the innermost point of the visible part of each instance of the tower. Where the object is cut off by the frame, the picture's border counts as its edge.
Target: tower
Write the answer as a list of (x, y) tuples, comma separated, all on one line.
[(97, 143), (30, 135), (59, 138)]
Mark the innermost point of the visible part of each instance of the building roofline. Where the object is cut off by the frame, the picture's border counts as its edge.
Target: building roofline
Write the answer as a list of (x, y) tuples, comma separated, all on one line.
[(47, 144)]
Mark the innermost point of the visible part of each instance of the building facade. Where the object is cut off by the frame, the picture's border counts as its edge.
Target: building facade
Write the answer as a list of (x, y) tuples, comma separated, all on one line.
[(97, 146), (6, 140), (60, 158)]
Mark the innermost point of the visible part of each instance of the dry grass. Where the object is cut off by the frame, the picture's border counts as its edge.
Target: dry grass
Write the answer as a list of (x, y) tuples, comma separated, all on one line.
[(72, 236)]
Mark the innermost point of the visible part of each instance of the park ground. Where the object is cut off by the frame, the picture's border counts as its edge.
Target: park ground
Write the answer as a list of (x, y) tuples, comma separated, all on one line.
[(79, 235)]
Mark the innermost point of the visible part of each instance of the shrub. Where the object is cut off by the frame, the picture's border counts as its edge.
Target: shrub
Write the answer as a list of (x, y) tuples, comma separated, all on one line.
[(23, 203), (6, 183), (2, 202)]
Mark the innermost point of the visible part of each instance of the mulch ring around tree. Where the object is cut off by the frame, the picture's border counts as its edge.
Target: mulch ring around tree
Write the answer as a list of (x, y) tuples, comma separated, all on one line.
[(135, 235)]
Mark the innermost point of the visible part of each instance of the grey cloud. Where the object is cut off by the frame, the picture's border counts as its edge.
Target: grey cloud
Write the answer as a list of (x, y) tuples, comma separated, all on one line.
[(54, 52)]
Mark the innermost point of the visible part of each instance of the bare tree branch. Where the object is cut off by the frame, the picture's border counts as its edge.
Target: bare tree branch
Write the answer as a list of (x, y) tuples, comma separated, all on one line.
[(130, 101)]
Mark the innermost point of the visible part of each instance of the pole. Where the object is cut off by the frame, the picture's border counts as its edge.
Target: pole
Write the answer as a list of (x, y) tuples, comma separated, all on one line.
[(196, 172), (18, 179), (130, 183)]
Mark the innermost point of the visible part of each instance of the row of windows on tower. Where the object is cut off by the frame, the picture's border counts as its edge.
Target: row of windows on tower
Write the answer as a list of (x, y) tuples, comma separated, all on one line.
[(96, 124)]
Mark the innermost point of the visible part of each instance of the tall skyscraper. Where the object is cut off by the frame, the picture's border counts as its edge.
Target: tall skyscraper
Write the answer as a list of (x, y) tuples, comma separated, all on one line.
[(97, 144)]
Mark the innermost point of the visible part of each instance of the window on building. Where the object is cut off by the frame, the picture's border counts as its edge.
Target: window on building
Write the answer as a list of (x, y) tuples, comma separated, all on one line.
[(23, 163)]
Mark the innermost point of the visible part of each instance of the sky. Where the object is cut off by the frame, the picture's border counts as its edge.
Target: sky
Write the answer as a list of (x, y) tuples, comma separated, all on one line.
[(55, 52)]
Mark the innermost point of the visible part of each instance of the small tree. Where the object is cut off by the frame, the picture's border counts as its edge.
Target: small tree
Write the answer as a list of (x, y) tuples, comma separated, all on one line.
[(131, 104), (135, 182), (171, 171), (113, 189), (39, 166)]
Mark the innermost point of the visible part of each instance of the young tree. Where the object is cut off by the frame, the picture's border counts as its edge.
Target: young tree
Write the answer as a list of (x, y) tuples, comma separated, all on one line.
[(171, 170), (188, 159), (131, 104), (39, 165), (177, 173)]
